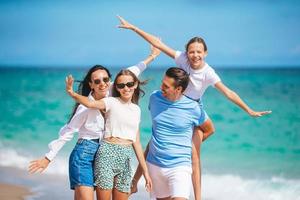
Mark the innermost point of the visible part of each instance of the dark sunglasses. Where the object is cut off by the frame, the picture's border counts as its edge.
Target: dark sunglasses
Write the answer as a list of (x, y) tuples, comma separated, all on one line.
[(122, 85), (98, 81)]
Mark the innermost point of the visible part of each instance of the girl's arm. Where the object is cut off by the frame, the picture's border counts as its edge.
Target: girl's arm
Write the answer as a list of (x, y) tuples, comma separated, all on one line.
[(156, 42), (138, 173), (140, 156), (99, 104), (234, 97)]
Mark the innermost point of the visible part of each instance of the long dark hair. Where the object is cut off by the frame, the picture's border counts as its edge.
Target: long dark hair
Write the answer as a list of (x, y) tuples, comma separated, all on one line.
[(84, 88), (138, 92)]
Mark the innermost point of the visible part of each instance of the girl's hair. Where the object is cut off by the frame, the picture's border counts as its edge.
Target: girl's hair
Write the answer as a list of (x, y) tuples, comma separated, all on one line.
[(138, 92), (84, 88), (196, 39)]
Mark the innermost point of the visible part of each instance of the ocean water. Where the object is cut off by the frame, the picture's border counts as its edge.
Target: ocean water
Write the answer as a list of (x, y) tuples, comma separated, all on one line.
[(246, 158)]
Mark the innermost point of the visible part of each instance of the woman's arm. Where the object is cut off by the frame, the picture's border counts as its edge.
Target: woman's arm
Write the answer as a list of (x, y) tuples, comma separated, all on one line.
[(234, 97), (99, 104), (140, 156), (156, 42)]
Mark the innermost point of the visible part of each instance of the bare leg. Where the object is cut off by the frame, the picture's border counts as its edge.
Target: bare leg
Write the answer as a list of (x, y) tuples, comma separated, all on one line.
[(196, 163), (201, 133), (84, 193), (117, 195), (103, 194)]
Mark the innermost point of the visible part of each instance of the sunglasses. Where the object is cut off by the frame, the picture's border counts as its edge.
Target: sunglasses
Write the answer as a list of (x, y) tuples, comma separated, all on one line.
[(122, 85), (98, 81)]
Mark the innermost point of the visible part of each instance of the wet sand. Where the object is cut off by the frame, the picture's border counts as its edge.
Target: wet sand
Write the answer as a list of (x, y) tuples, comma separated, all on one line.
[(13, 192)]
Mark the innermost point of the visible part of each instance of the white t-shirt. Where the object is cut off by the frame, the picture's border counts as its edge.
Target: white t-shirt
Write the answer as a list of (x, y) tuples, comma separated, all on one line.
[(199, 79), (122, 119)]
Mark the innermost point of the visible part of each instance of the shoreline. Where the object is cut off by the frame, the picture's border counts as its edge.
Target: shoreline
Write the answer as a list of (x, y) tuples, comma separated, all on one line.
[(18, 184), (14, 192)]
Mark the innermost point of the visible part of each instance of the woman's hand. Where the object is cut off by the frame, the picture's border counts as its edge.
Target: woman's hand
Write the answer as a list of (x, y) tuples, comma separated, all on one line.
[(124, 24), (38, 165), (259, 113), (155, 51), (148, 184), (69, 85)]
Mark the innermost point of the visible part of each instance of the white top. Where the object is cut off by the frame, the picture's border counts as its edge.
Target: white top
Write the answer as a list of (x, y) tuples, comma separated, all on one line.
[(122, 119), (89, 123), (200, 79)]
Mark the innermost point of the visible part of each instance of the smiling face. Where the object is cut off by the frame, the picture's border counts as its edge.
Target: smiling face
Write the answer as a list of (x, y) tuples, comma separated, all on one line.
[(196, 55), (169, 91), (125, 85), (100, 83)]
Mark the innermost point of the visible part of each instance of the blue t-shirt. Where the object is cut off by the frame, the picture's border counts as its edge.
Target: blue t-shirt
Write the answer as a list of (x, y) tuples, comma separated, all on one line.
[(172, 129)]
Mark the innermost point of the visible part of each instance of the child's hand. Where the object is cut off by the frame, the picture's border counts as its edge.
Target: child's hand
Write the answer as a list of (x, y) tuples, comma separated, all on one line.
[(154, 51), (124, 24), (259, 113)]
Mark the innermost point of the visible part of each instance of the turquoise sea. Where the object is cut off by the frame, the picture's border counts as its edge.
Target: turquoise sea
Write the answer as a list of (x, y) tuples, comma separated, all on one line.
[(246, 158)]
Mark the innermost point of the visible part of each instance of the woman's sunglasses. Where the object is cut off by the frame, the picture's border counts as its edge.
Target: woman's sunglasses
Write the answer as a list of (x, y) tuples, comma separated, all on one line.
[(98, 81), (122, 85)]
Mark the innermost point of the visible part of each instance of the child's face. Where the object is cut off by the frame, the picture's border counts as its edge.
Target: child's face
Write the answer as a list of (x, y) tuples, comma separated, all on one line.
[(196, 55)]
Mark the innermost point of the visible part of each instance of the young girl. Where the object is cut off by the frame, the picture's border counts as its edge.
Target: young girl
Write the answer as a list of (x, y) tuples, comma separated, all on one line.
[(201, 77), (112, 162), (89, 123)]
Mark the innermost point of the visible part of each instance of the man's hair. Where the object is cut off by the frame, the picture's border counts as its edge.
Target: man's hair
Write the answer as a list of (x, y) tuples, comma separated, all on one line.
[(180, 77)]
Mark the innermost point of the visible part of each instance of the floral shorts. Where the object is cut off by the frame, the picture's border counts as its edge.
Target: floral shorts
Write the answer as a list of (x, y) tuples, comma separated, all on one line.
[(112, 167)]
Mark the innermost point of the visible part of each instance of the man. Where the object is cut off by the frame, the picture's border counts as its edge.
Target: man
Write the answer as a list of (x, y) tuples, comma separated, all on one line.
[(174, 117)]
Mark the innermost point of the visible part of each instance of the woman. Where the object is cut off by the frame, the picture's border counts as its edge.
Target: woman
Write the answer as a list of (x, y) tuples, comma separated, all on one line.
[(201, 77), (89, 123), (123, 115)]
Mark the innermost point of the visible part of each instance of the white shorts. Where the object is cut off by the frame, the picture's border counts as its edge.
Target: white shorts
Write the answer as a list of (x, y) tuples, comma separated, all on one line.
[(170, 182)]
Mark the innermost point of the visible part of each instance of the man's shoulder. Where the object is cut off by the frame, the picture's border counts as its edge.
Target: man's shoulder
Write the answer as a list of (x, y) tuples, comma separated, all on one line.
[(155, 93)]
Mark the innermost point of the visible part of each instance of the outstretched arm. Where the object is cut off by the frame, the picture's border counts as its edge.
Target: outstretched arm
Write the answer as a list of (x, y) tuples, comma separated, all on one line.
[(99, 104), (234, 97), (156, 42)]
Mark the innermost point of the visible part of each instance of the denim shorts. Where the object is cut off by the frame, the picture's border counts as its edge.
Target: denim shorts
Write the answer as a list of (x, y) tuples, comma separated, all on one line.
[(81, 162)]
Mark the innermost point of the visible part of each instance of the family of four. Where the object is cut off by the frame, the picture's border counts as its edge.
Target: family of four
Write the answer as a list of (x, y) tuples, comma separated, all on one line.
[(107, 118)]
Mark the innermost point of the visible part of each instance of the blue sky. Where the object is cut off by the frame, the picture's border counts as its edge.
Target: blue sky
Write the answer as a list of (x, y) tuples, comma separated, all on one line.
[(84, 33)]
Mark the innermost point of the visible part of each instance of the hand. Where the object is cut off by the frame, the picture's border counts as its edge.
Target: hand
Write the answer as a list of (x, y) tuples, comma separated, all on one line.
[(124, 24), (148, 184), (134, 187), (69, 85), (154, 51), (259, 114), (38, 165)]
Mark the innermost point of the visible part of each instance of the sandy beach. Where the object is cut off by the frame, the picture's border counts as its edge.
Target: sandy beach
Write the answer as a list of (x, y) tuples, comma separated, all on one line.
[(16, 184), (13, 192)]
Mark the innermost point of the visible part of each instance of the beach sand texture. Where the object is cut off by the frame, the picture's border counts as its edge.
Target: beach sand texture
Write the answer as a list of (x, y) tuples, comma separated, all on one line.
[(13, 192)]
